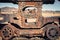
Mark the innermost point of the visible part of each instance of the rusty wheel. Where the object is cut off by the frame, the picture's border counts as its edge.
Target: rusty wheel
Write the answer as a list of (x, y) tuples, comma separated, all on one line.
[(52, 32), (7, 32)]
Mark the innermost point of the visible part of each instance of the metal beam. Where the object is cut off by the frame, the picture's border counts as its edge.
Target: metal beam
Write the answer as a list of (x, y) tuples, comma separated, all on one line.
[(48, 1), (15, 1), (58, 0)]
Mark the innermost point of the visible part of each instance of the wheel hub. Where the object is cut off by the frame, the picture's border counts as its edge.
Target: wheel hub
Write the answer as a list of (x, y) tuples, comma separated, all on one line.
[(53, 32)]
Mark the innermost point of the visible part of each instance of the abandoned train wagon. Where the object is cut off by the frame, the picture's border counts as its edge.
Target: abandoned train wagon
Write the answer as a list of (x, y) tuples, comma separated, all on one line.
[(30, 22)]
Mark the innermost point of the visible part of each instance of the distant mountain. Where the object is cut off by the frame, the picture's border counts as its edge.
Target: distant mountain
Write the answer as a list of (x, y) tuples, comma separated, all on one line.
[(51, 11), (8, 9)]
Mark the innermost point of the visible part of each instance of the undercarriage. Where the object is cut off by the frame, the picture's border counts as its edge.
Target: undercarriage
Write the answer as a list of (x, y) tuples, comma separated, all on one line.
[(9, 32)]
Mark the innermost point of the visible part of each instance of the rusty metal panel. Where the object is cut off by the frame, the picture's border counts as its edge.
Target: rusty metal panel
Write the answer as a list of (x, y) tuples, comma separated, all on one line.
[(30, 10), (4, 18)]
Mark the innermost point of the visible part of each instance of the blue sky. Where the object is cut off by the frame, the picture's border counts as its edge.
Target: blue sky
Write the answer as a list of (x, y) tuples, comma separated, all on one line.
[(53, 7)]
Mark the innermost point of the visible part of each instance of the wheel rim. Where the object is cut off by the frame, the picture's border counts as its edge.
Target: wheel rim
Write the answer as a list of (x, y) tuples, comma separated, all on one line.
[(52, 33), (7, 32)]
